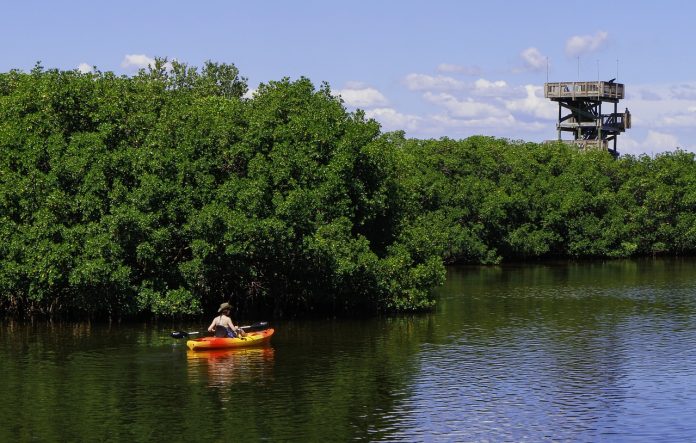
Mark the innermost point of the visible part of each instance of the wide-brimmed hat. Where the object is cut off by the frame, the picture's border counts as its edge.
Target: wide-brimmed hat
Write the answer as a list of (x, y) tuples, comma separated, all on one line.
[(225, 306)]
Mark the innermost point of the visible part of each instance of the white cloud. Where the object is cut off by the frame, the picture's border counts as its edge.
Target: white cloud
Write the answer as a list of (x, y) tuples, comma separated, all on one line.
[(662, 105), (137, 61), (506, 120), (650, 96), (480, 87), (467, 108), (459, 69), (487, 87), (662, 92), (504, 126), (424, 82), (683, 91), (533, 104), (685, 120), (249, 94), (533, 59), (654, 143), (583, 44), (84, 68), (660, 141), (627, 145), (362, 96), (392, 120)]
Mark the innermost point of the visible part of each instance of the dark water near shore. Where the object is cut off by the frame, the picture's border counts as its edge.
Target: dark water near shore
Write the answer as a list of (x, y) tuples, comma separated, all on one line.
[(552, 352)]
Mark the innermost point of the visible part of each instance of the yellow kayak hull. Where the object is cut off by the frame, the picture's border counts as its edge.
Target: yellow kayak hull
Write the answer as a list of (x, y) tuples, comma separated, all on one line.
[(250, 339)]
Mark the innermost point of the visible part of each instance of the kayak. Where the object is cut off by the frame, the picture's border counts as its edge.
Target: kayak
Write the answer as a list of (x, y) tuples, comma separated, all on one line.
[(250, 339)]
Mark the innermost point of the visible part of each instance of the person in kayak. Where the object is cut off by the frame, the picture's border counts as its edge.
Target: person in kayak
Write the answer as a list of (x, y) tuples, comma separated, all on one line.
[(222, 325)]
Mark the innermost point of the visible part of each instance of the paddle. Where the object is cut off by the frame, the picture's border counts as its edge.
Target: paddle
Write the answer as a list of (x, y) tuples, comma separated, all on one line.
[(182, 334), (256, 326)]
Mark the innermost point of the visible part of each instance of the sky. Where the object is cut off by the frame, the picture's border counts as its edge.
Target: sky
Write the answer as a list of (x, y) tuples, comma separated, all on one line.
[(433, 69)]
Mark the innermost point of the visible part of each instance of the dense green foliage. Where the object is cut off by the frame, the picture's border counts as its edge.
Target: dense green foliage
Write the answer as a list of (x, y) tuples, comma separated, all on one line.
[(485, 200), (169, 192)]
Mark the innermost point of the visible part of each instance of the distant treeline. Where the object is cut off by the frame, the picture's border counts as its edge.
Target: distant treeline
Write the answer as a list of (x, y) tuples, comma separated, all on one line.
[(170, 191)]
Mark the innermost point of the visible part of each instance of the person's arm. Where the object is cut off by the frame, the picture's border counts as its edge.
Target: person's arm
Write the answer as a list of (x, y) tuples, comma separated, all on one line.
[(236, 329), (212, 325), (230, 325)]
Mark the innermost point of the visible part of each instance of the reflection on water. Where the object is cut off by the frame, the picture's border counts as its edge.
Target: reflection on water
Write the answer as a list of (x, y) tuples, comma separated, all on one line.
[(550, 352), (566, 353), (219, 368)]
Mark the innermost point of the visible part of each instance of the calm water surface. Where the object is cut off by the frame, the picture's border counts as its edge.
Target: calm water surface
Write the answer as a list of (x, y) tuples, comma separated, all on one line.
[(553, 352)]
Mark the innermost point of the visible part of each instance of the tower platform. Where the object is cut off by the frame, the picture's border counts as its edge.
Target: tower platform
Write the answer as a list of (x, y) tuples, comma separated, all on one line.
[(599, 90)]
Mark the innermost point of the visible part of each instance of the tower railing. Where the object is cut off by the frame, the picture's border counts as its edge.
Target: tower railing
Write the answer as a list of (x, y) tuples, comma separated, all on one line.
[(600, 90)]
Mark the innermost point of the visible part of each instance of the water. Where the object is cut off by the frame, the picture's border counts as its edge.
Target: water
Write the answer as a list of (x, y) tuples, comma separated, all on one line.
[(553, 352)]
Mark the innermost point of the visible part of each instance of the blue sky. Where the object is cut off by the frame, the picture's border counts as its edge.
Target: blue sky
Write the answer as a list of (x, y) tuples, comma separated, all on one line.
[(433, 69)]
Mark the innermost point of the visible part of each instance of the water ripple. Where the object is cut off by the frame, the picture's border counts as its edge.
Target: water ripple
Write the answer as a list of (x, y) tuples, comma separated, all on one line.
[(540, 386)]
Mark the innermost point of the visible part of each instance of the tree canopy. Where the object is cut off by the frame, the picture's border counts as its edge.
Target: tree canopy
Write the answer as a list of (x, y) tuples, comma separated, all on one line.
[(168, 192), (486, 200), (175, 189)]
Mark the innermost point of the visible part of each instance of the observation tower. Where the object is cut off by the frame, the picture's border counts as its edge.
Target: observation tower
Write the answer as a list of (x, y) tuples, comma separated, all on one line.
[(580, 113)]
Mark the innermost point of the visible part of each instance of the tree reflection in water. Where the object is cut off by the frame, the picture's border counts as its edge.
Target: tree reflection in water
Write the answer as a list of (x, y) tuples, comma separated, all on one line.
[(220, 368)]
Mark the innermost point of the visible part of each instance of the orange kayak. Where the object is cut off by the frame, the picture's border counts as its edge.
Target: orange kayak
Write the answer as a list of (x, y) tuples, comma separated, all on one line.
[(250, 339)]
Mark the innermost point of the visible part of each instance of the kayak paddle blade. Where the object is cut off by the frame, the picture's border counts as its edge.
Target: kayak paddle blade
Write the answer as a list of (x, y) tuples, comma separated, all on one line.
[(182, 334)]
